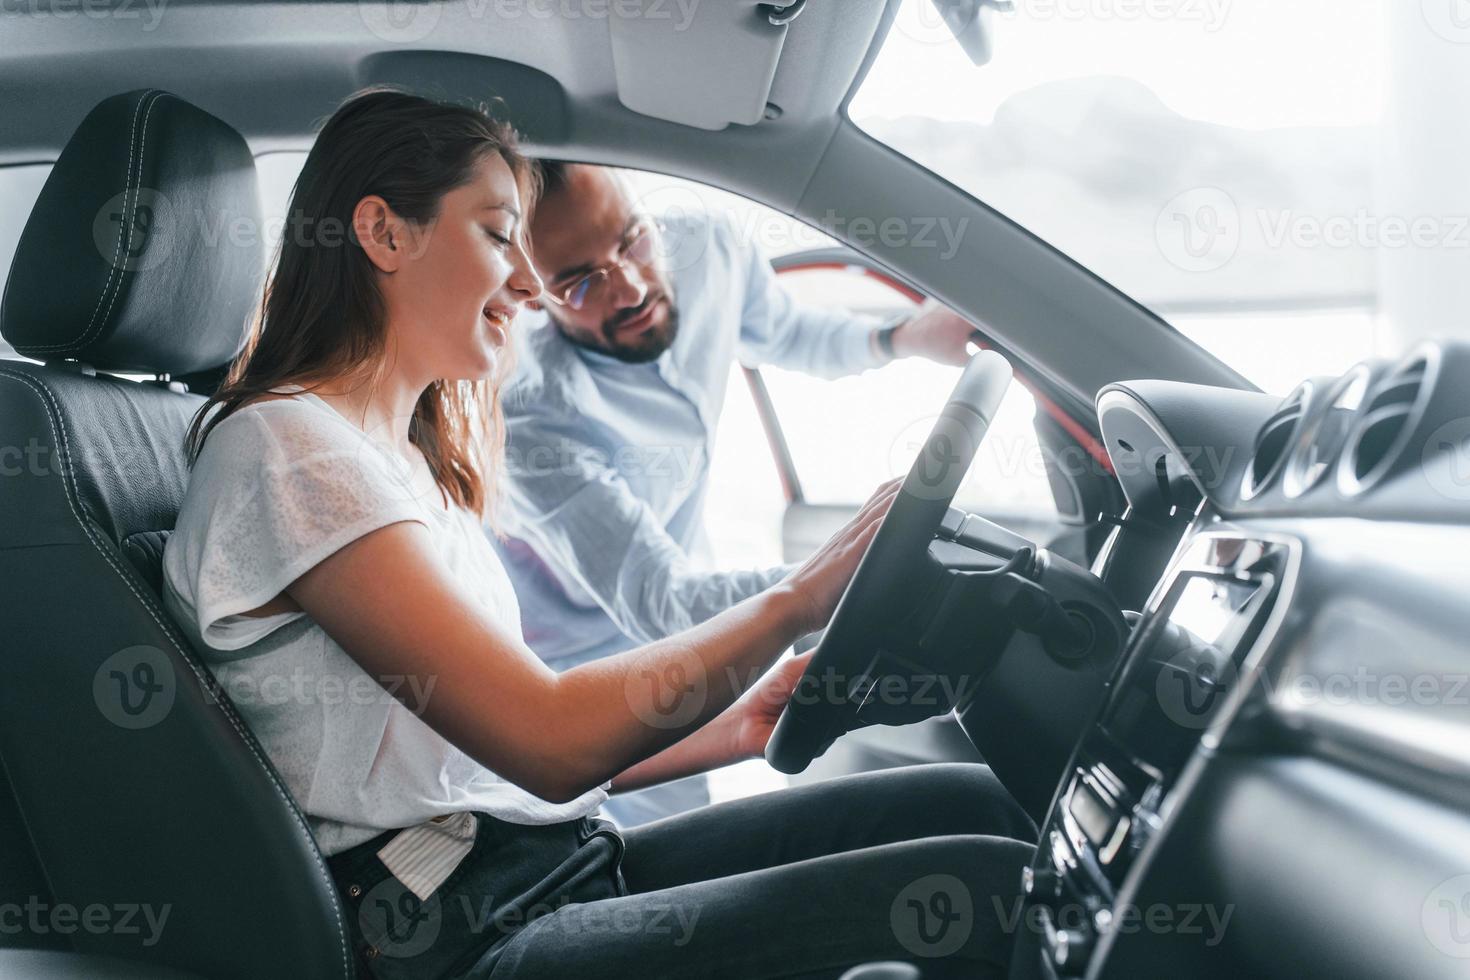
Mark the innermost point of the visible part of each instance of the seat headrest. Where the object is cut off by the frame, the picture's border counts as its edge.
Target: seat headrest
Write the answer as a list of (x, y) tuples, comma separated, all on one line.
[(144, 250)]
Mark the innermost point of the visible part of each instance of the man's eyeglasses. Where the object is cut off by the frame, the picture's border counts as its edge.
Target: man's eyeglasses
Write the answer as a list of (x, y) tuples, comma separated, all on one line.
[(589, 288)]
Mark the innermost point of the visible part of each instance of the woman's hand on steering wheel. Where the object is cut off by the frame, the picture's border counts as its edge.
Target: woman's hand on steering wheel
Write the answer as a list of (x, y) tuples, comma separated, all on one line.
[(754, 716), (821, 580)]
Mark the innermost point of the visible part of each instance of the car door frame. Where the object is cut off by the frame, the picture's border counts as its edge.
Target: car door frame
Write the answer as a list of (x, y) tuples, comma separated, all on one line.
[(1070, 441)]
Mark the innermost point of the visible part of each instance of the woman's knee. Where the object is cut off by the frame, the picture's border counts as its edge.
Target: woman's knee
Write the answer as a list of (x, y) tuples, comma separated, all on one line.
[(972, 793)]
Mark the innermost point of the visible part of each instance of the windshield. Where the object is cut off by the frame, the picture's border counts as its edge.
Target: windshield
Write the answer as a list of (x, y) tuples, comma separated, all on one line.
[(1263, 175)]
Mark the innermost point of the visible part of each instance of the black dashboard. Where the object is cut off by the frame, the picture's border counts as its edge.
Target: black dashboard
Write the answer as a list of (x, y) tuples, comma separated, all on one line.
[(1274, 783)]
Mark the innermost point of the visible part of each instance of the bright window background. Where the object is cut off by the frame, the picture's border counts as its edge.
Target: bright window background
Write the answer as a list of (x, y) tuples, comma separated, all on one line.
[(19, 188), (1210, 158), (846, 436), (851, 434)]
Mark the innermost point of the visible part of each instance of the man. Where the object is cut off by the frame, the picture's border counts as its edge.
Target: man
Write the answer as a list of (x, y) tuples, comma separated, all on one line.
[(612, 414)]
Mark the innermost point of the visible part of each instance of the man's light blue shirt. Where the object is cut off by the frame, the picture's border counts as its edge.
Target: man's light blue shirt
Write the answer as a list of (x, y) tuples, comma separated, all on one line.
[(609, 462)]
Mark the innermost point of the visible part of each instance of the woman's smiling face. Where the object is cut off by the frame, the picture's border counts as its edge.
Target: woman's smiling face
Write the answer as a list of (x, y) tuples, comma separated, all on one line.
[(460, 280)]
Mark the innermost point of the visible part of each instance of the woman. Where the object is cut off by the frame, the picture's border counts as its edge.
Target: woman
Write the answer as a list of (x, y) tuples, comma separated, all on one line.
[(329, 561)]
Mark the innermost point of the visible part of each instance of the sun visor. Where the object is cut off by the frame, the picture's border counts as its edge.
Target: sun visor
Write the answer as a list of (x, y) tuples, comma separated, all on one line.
[(702, 63)]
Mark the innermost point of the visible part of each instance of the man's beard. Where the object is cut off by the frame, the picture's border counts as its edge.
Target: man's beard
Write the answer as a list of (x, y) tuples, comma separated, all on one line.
[(648, 346)]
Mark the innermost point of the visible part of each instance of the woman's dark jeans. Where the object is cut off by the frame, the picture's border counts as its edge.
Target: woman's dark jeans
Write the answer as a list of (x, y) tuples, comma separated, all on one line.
[(919, 865)]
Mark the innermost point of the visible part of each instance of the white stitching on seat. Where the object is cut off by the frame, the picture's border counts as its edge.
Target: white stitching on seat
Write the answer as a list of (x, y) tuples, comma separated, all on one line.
[(132, 223), (137, 149), (58, 426)]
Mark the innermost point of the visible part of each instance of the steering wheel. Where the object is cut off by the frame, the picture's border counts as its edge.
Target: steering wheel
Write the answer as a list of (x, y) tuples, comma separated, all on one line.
[(849, 647)]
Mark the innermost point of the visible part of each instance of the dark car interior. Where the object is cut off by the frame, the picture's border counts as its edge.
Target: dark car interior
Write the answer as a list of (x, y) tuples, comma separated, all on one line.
[(1232, 695)]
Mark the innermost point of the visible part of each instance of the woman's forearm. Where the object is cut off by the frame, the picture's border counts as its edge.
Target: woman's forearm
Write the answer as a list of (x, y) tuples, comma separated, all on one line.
[(638, 716), (388, 601), (712, 747)]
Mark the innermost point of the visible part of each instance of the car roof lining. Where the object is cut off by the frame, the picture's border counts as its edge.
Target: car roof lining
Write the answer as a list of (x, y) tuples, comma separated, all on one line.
[(558, 81)]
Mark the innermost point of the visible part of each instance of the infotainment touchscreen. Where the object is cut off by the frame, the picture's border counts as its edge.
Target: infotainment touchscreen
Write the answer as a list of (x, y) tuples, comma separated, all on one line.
[(1189, 664)]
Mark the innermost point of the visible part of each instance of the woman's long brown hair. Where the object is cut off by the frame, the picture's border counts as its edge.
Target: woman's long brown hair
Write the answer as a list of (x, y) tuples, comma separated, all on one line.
[(322, 317)]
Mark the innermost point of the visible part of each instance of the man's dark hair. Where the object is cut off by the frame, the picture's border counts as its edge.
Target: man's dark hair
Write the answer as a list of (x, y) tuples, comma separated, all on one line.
[(552, 176)]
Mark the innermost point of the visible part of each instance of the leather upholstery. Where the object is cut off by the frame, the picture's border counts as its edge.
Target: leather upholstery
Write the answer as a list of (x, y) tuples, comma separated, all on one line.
[(21, 877), (144, 249), (172, 804), (144, 550)]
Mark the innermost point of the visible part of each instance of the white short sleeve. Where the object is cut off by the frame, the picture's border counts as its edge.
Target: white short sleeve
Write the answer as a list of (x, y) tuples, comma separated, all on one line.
[(278, 487)]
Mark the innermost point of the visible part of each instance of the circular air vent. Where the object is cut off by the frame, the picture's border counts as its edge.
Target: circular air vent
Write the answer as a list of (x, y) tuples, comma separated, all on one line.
[(1273, 441), (1387, 421), (1325, 431)]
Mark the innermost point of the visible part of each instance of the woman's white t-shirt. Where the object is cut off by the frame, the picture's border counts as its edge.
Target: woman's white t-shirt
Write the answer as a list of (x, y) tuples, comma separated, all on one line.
[(279, 486)]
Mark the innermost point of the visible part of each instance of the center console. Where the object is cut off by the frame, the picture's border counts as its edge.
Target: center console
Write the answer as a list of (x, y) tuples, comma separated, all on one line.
[(1181, 666)]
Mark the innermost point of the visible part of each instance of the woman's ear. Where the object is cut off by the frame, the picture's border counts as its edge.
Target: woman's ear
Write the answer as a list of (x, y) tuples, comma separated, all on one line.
[(380, 232)]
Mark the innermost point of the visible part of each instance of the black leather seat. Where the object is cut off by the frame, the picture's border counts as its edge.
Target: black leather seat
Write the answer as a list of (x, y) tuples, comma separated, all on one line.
[(136, 782)]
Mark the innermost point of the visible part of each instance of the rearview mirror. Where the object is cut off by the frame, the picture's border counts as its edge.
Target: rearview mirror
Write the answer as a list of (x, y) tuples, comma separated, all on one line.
[(973, 24)]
